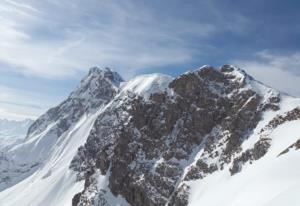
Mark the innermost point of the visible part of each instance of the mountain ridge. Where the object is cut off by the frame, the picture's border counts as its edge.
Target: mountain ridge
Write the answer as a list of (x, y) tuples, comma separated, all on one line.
[(150, 140)]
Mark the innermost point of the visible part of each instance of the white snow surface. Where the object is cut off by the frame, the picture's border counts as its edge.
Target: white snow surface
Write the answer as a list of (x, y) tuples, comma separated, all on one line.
[(270, 181), (53, 184), (145, 85)]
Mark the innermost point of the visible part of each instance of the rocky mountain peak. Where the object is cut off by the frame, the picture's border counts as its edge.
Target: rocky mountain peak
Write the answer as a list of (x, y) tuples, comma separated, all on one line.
[(148, 147), (227, 71), (107, 73), (96, 70), (98, 87), (97, 79), (236, 73)]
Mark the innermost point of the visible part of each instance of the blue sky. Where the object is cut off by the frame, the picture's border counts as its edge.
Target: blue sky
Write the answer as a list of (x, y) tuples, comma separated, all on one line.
[(47, 46)]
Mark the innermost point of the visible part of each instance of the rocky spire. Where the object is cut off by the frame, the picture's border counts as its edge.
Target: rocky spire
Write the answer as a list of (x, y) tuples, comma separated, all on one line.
[(97, 88)]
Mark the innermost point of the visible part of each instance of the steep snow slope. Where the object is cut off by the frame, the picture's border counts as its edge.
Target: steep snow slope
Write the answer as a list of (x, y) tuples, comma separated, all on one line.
[(53, 183), (272, 180), (49, 131)]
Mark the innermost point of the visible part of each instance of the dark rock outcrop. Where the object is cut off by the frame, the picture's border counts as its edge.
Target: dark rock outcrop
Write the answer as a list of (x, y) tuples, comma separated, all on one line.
[(259, 150), (145, 145), (296, 146)]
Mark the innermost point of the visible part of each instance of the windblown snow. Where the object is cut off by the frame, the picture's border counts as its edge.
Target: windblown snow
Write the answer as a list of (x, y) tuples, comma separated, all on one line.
[(145, 85)]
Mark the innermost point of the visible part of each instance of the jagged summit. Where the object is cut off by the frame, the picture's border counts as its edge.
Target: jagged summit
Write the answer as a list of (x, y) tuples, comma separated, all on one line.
[(238, 78), (98, 70), (97, 83), (106, 72), (231, 71), (94, 90)]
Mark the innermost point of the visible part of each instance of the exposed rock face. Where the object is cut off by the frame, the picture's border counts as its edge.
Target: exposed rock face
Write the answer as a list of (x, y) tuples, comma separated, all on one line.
[(200, 170), (259, 150), (280, 119), (144, 145), (296, 146), (261, 147), (96, 89)]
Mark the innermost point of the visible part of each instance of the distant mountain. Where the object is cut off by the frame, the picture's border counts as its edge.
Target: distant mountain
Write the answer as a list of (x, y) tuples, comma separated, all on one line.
[(208, 137), (12, 131)]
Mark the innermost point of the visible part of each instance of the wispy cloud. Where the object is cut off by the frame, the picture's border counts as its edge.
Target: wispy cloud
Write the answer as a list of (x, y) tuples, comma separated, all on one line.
[(281, 71), (287, 62), (21, 104), (21, 5), (59, 38), (34, 106)]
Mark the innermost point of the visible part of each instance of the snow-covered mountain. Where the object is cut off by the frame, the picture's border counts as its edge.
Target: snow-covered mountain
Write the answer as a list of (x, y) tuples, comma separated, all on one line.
[(210, 136), (12, 131)]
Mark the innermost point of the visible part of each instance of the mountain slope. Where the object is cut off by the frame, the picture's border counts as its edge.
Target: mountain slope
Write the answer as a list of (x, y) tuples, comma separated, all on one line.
[(210, 136), (48, 134)]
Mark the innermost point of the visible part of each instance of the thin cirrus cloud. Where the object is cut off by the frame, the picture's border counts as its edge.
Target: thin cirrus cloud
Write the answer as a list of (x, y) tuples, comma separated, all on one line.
[(21, 104), (56, 39), (281, 71)]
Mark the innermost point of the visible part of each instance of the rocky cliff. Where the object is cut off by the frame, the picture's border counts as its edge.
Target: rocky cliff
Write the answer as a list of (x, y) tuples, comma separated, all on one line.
[(148, 146)]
